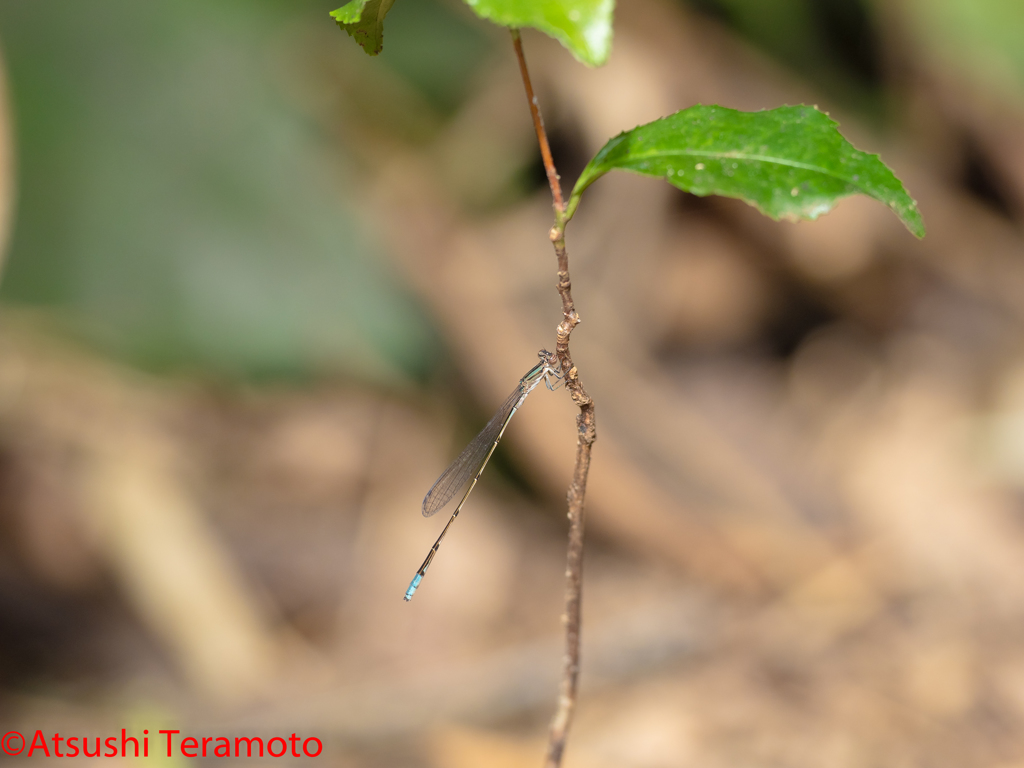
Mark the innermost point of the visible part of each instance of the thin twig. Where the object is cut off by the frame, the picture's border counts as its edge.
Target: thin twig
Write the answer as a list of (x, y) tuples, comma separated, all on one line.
[(587, 433)]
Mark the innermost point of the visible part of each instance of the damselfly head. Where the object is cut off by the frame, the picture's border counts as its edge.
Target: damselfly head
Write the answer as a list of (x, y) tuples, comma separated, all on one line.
[(550, 359), (552, 369)]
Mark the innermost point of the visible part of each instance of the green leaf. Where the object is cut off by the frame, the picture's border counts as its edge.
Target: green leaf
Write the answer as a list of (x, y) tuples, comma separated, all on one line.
[(789, 162), (582, 26), (364, 21)]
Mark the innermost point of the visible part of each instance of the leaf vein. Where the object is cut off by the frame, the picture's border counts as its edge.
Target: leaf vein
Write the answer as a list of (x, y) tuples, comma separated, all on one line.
[(741, 156)]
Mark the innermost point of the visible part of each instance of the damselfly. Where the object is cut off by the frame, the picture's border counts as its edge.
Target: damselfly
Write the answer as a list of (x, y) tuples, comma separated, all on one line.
[(474, 457)]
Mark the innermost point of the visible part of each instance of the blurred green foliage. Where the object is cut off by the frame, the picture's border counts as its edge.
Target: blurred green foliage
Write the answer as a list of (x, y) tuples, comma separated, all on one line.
[(832, 43), (180, 206), (984, 38), (836, 44), (178, 209), (437, 47)]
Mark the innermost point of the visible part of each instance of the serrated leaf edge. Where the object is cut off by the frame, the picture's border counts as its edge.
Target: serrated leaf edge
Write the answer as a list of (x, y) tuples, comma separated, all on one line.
[(912, 221)]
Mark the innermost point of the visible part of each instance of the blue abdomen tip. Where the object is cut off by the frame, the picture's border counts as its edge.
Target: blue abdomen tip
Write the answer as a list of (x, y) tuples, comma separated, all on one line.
[(412, 587)]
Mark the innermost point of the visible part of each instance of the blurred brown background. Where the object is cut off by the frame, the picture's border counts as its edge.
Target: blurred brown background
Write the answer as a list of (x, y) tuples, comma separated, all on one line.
[(259, 289)]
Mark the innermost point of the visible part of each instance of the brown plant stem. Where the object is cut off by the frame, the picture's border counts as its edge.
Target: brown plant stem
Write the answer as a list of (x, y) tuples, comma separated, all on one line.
[(538, 125), (587, 433)]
